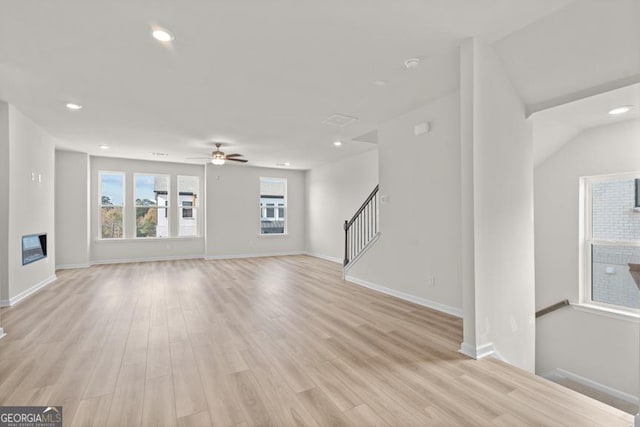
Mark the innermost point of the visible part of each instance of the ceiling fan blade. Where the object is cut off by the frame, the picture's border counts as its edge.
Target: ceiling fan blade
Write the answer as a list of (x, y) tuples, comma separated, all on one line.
[(234, 155), (238, 160)]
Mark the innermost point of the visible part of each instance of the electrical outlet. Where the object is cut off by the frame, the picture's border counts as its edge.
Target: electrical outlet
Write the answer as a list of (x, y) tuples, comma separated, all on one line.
[(431, 281)]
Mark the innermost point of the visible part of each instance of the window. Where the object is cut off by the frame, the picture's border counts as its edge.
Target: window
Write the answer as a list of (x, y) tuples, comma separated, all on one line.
[(273, 205), (612, 241), (111, 205), (188, 187), (152, 205)]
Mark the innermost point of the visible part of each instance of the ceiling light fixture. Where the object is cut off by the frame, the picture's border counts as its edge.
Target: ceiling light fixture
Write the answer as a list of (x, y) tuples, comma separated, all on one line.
[(337, 143), (218, 158), (74, 107), (620, 110), (412, 63), (162, 35), (103, 147)]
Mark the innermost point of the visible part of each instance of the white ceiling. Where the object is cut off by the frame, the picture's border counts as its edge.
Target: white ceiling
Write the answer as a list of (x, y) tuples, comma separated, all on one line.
[(260, 75), (584, 45), (554, 127)]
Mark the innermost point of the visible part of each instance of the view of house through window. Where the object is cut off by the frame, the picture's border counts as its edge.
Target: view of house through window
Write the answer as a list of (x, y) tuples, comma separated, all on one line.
[(273, 205), (188, 205), (152, 205), (111, 205), (612, 239)]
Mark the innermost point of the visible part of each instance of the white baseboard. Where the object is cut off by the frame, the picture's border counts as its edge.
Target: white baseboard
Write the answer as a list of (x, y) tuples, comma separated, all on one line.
[(407, 297), (215, 257), (561, 373), (145, 259), (479, 352), (325, 257), (71, 266), (22, 295)]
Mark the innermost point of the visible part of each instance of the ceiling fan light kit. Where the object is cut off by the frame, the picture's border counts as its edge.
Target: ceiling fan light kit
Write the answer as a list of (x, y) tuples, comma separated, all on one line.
[(218, 157)]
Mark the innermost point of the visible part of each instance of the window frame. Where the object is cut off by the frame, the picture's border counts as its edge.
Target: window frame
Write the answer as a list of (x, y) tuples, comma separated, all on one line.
[(123, 206), (194, 208), (167, 207), (275, 207), (586, 241)]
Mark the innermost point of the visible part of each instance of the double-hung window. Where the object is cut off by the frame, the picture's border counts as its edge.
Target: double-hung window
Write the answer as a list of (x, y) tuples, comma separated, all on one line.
[(111, 205), (152, 205), (188, 187), (611, 241), (273, 206)]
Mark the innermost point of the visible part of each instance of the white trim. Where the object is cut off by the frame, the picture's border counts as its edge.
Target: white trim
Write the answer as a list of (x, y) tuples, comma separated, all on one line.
[(2, 333), (71, 266), (325, 257), (561, 373), (22, 295), (586, 242), (479, 352), (215, 257), (457, 312), (285, 199), (146, 259), (613, 313)]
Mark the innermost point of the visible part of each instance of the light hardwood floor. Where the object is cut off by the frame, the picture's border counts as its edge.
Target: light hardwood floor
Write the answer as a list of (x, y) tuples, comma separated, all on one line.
[(280, 341)]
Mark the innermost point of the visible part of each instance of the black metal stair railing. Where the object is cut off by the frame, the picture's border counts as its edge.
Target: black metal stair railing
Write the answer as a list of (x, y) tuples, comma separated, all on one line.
[(361, 228)]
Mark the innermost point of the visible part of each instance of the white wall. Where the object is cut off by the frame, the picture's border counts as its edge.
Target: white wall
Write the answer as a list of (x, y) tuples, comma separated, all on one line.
[(420, 226), (141, 249), (601, 348), (503, 213), (4, 195), (4, 208), (72, 209), (31, 202), (334, 192), (233, 212)]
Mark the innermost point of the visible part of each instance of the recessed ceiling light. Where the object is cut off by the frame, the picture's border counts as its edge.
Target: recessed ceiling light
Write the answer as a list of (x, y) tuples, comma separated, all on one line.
[(620, 110), (74, 107), (337, 143), (162, 35), (283, 164), (412, 63), (103, 147), (380, 83), (160, 154)]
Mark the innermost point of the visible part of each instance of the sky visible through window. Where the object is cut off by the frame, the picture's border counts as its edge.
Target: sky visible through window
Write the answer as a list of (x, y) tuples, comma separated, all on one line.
[(112, 187), (145, 184)]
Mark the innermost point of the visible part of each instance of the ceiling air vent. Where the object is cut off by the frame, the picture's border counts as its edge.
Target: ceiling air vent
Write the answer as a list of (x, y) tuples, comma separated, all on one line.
[(339, 120)]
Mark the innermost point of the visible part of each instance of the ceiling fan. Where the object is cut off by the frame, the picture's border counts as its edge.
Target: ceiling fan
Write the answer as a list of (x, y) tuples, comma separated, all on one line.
[(218, 157)]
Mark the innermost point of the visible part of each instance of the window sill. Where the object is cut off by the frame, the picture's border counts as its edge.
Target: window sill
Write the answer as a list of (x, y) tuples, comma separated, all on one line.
[(148, 239), (607, 312), (274, 235)]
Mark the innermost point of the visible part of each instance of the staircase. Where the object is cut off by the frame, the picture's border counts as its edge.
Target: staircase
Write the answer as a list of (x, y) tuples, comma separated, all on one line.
[(362, 229)]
